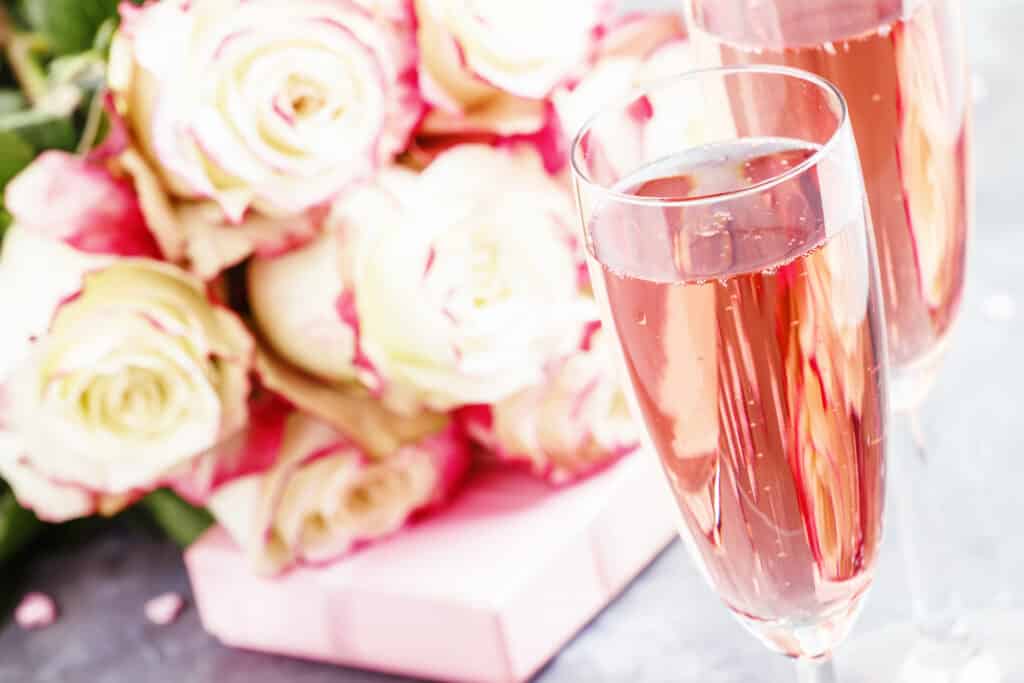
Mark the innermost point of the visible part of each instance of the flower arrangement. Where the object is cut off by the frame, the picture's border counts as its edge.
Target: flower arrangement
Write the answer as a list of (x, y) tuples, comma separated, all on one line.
[(299, 263)]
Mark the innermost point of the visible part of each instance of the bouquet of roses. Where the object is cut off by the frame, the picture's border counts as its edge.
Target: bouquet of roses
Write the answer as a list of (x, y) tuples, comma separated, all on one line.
[(299, 262)]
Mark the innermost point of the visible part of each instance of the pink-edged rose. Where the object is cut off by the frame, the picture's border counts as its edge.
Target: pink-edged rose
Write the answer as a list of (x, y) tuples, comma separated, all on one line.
[(487, 66), (137, 374), (278, 105), (324, 495), (468, 291), (450, 287), (571, 425)]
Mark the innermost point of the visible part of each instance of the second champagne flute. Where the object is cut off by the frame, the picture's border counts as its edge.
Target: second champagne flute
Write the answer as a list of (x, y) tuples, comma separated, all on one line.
[(726, 227)]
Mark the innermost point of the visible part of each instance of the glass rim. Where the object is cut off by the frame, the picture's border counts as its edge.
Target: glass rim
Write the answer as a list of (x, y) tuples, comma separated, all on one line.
[(657, 84)]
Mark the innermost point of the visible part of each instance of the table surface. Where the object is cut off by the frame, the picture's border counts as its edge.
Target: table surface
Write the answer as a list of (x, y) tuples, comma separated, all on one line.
[(667, 626)]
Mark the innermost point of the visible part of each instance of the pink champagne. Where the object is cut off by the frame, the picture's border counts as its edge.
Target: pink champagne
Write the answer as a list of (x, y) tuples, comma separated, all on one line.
[(751, 334), (905, 81)]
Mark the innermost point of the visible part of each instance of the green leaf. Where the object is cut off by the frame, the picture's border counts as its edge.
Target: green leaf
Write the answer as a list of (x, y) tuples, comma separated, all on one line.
[(182, 522), (69, 26), (41, 130), (17, 527), (15, 154), (11, 101)]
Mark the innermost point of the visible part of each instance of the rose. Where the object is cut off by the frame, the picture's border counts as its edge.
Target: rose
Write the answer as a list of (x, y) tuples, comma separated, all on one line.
[(466, 293), (278, 104), (137, 375), (324, 495), (450, 287), (572, 425), (487, 66), (57, 237), (465, 286)]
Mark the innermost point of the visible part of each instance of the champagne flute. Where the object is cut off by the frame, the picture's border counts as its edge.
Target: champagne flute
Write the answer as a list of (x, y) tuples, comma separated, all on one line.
[(901, 65), (730, 246)]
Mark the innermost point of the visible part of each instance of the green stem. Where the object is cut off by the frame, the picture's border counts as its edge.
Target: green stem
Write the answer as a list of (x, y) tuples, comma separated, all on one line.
[(93, 122), (17, 527), (182, 522)]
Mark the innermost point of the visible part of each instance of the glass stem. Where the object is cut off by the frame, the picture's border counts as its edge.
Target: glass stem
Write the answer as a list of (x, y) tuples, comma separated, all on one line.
[(945, 649), (816, 671), (908, 504), (935, 613)]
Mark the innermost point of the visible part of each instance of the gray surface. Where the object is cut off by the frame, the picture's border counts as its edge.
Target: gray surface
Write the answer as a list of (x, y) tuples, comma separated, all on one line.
[(667, 626)]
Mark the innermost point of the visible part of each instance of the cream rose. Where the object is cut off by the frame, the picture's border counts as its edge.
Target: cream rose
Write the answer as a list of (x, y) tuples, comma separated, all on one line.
[(468, 285), (572, 425), (450, 287), (137, 375), (274, 104), (324, 495)]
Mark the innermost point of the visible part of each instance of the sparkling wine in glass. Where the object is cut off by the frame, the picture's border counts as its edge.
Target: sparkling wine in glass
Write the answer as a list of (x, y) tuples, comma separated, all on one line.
[(730, 246), (901, 66)]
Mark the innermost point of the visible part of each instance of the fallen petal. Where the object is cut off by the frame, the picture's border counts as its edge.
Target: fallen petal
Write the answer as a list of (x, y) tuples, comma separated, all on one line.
[(164, 609), (36, 611)]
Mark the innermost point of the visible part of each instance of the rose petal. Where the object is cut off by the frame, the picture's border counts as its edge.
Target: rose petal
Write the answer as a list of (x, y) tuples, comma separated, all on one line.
[(70, 199), (254, 451), (574, 425), (36, 611), (351, 410), (164, 610), (196, 233)]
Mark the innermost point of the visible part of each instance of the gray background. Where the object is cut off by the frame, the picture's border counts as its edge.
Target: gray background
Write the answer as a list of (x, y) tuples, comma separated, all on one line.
[(668, 626)]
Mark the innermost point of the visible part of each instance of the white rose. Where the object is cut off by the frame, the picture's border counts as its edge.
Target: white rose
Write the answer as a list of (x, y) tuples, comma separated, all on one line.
[(467, 287), (324, 496), (572, 425), (137, 375), (277, 104)]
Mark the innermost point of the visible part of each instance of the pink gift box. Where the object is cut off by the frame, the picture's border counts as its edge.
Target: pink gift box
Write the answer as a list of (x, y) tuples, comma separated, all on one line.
[(487, 591)]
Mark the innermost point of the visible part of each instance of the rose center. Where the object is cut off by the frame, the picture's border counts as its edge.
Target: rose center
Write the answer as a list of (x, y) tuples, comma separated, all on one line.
[(488, 285), (304, 98)]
